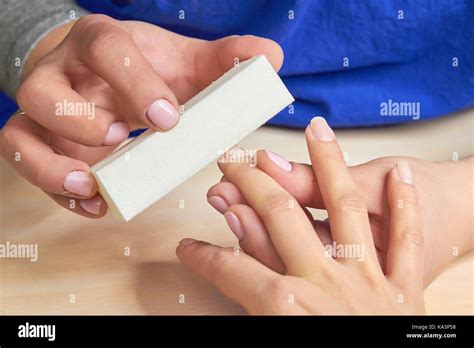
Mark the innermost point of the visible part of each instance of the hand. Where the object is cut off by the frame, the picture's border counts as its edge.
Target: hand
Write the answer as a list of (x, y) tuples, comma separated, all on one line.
[(314, 282), (445, 192), (108, 77)]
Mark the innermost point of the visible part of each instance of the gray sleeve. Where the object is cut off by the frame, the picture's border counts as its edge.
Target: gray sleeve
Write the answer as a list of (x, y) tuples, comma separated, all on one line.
[(23, 23)]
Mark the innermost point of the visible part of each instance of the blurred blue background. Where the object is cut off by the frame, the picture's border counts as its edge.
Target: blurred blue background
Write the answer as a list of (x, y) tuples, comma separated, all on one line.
[(343, 59)]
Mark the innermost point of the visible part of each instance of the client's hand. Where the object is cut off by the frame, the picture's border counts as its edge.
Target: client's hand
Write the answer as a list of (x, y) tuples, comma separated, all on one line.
[(445, 191), (295, 273)]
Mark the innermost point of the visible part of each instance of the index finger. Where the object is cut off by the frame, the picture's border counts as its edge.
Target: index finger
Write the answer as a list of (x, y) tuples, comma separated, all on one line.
[(237, 275), (111, 53)]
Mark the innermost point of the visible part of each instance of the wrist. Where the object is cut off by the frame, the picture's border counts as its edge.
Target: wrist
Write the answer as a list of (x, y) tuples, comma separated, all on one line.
[(458, 190), (46, 45)]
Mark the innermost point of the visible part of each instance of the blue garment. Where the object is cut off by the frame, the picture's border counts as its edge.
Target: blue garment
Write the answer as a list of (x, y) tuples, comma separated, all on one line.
[(353, 62)]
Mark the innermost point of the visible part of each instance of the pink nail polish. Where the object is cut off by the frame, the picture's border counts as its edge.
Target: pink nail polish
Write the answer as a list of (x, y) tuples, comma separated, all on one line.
[(187, 241), (79, 183), (235, 224), (404, 172), (163, 114), (321, 129), (218, 203), (117, 133), (279, 161), (91, 205)]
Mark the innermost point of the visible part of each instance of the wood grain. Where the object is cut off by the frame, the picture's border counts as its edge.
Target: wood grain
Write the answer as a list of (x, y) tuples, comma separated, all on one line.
[(84, 259)]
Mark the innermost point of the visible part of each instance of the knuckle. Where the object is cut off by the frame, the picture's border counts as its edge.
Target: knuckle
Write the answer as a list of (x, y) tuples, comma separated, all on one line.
[(99, 35), (278, 288), (219, 260), (331, 273), (351, 202), (412, 238), (409, 196), (278, 202), (103, 41), (30, 90), (90, 133), (42, 174), (5, 138), (86, 22), (10, 133), (375, 282)]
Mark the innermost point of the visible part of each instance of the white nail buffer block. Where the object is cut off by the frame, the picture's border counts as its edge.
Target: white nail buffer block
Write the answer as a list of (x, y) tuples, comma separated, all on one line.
[(140, 173)]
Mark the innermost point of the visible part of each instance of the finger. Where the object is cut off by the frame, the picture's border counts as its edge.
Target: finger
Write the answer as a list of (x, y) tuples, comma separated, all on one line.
[(94, 207), (302, 184), (301, 251), (47, 96), (89, 155), (214, 58), (405, 249), (237, 275), (222, 195), (297, 178), (26, 149), (253, 236), (347, 210), (111, 53)]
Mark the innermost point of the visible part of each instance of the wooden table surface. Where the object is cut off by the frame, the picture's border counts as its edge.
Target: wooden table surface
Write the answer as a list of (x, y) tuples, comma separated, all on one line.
[(83, 267)]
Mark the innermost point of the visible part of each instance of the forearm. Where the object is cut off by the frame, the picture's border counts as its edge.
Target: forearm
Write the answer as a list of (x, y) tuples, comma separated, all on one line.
[(23, 23), (460, 182), (454, 210)]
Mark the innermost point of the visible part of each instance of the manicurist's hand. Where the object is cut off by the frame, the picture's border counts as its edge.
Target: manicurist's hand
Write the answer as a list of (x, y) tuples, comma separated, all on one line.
[(88, 83), (296, 274)]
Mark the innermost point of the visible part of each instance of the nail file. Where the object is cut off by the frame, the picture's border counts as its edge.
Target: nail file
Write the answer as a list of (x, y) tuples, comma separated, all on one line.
[(138, 174)]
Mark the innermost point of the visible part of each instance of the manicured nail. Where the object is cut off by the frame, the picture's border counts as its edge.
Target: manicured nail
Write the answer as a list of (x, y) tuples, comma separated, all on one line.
[(187, 241), (163, 114), (235, 224), (117, 133), (321, 129), (79, 183), (91, 205), (404, 172), (279, 161), (218, 203)]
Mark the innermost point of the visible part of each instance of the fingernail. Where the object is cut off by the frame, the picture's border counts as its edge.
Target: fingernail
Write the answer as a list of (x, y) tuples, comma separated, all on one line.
[(162, 114), (404, 172), (279, 161), (218, 203), (321, 129), (235, 224), (187, 241), (91, 205), (117, 133), (79, 183)]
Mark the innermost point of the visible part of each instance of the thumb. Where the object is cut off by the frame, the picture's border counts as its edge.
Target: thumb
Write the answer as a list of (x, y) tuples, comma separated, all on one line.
[(214, 58)]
